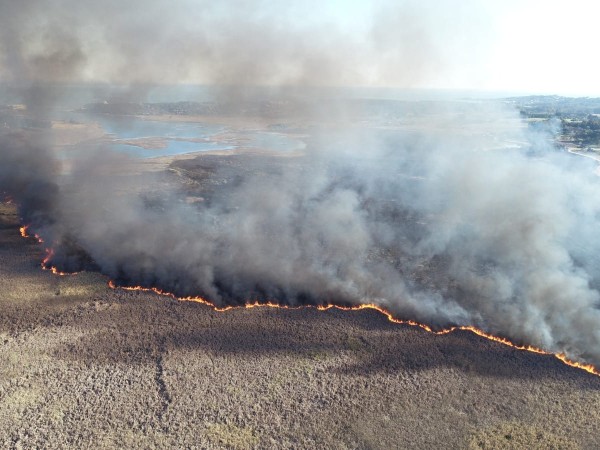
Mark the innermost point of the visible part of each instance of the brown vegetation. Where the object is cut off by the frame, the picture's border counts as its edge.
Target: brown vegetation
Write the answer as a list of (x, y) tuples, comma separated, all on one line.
[(82, 365)]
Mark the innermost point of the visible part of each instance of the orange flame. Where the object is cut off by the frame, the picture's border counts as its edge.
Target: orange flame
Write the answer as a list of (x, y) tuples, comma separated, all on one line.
[(25, 234), (49, 254), (55, 271), (501, 340), (46, 264), (561, 356)]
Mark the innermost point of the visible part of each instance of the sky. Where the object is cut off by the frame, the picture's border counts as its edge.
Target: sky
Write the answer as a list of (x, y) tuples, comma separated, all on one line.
[(511, 46), (542, 46), (525, 46)]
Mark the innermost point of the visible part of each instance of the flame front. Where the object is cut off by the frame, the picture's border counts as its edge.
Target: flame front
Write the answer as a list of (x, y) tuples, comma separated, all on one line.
[(561, 356), (49, 254), (55, 271), (25, 234), (501, 340), (47, 266)]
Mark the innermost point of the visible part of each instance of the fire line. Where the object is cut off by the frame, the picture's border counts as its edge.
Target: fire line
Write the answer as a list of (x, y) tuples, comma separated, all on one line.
[(561, 356), (49, 254), (501, 340)]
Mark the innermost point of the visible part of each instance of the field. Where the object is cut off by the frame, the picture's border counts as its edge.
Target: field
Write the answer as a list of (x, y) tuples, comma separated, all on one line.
[(83, 365)]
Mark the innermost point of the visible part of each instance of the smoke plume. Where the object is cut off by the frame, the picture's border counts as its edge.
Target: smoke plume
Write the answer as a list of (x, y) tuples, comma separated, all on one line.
[(446, 225)]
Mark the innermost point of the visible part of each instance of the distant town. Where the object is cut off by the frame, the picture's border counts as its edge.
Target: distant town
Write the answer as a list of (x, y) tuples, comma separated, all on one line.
[(579, 118)]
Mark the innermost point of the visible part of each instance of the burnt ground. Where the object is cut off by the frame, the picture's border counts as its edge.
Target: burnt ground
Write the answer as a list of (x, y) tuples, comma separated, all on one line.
[(85, 366)]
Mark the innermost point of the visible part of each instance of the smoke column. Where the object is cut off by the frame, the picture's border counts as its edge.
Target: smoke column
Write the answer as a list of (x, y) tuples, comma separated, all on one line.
[(440, 227)]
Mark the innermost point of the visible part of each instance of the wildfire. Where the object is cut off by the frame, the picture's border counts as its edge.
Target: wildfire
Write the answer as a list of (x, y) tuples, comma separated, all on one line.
[(25, 234), (46, 265), (501, 340), (49, 254)]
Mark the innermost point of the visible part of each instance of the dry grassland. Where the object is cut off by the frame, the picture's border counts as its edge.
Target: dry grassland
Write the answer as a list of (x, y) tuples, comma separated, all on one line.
[(84, 366)]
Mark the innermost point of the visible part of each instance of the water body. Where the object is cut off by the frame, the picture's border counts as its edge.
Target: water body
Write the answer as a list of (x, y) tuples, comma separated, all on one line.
[(173, 147), (188, 137)]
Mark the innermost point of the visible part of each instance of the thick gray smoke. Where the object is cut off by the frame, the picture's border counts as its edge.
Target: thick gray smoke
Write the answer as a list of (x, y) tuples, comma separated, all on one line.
[(445, 226)]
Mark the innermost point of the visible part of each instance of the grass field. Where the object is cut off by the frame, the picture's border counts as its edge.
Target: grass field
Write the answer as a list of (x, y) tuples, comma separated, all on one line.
[(85, 366)]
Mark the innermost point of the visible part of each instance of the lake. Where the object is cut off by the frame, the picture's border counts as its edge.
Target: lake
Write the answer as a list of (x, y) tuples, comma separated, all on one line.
[(188, 137)]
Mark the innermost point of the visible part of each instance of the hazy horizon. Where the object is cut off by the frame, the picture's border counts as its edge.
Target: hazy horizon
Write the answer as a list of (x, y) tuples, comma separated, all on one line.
[(162, 93), (527, 47)]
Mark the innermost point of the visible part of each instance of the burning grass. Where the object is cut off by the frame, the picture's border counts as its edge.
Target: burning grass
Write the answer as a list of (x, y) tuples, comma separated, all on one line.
[(87, 370), (47, 265), (586, 367)]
